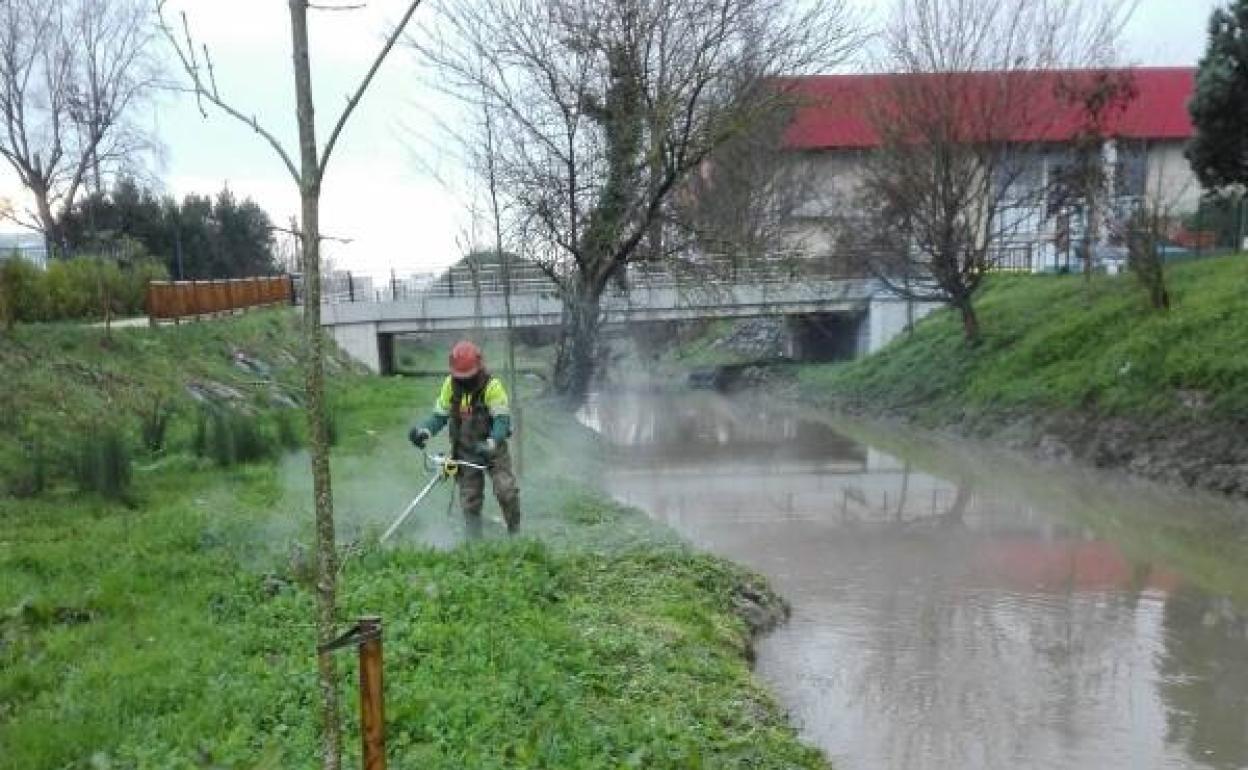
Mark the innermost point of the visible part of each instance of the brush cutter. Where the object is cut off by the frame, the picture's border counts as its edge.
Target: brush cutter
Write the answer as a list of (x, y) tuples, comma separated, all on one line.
[(443, 468)]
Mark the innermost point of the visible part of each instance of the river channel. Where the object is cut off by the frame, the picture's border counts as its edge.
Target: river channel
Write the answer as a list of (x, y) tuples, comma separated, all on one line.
[(954, 608)]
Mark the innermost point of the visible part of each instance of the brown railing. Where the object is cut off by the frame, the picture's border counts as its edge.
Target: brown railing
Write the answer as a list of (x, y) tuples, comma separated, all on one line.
[(171, 300)]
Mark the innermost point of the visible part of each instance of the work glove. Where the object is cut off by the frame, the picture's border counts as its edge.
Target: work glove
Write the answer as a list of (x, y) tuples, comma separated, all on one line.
[(485, 449), (418, 436)]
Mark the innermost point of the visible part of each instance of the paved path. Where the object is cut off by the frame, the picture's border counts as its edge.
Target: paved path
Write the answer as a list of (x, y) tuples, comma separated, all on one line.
[(125, 323)]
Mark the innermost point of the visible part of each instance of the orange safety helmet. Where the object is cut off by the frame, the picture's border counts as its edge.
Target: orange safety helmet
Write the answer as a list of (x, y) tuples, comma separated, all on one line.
[(465, 360)]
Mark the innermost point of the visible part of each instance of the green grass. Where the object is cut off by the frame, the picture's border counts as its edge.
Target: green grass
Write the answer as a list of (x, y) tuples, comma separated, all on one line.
[(176, 633), (702, 349), (1050, 343), (428, 353), (65, 383)]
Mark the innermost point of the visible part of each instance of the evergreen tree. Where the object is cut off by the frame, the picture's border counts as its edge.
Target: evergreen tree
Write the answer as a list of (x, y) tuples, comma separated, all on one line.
[(1219, 108), (199, 238)]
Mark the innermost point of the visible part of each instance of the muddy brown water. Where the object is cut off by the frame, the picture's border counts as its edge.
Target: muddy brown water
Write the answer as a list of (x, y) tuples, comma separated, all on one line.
[(953, 608)]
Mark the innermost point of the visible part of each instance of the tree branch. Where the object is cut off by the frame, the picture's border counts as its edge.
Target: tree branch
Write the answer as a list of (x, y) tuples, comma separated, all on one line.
[(299, 234), (191, 66), (354, 100)]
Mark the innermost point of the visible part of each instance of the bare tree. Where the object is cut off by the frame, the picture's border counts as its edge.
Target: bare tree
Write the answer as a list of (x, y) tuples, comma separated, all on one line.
[(72, 74), (489, 169), (1088, 184), (1145, 227), (308, 175), (960, 125), (741, 204), (602, 109)]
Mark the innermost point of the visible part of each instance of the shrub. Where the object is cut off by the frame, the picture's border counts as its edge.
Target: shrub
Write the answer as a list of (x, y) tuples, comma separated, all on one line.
[(220, 439), (288, 437), (104, 464), (199, 437), (251, 442), (26, 473), (84, 287), (23, 294), (154, 424), (229, 437)]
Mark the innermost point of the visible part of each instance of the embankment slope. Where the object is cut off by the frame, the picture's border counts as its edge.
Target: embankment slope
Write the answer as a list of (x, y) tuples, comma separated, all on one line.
[(1088, 374), (174, 629)]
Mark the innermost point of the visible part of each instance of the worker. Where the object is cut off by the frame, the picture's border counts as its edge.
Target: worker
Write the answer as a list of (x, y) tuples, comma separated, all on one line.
[(475, 405)]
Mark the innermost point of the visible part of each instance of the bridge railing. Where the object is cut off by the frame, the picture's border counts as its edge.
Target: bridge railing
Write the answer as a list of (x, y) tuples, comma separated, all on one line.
[(527, 279)]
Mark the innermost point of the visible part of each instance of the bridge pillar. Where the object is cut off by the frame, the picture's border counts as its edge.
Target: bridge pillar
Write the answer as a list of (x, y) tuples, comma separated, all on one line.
[(361, 342), (889, 317), (385, 355)]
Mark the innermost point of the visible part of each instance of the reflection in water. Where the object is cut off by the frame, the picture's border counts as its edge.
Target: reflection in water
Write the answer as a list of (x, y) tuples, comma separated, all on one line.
[(1205, 677), (941, 622)]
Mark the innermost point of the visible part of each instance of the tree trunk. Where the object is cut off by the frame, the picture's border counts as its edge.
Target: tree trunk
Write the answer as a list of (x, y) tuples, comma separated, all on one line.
[(578, 342), (47, 220), (314, 385), (1155, 282), (1161, 297), (504, 261), (1091, 234), (970, 321)]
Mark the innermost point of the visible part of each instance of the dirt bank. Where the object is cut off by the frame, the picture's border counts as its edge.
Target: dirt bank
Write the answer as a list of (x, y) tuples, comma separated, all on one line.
[(1193, 453)]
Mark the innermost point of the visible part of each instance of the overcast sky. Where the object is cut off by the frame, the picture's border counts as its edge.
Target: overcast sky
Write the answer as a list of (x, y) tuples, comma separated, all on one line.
[(382, 190)]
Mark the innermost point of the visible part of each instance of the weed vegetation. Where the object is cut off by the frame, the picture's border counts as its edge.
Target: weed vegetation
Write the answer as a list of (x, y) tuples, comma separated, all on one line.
[(173, 630), (72, 396)]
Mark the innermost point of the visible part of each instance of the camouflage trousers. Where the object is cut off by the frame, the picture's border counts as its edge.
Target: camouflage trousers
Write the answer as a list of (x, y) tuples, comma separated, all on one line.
[(506, 491)]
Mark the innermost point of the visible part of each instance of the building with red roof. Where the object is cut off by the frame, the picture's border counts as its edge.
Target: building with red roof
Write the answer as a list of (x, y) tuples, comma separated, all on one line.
[(837, 124)]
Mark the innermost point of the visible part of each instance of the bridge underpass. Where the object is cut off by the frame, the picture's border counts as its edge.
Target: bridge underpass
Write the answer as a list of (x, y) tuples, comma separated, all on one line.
[(829, 318)]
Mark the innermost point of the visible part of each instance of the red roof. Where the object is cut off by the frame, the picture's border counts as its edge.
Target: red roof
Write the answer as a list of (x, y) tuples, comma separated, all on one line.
[(835, 113)]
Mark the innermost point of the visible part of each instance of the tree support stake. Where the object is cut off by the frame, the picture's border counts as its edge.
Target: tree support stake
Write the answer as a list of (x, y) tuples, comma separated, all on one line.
[(365, 635)]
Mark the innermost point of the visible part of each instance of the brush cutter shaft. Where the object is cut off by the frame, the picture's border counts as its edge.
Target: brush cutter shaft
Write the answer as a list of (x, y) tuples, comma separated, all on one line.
[(443, 468), (433, 482)]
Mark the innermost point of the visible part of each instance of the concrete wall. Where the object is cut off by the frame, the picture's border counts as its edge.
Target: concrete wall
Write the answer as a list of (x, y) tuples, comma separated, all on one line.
[(889, 316), (360, 341)]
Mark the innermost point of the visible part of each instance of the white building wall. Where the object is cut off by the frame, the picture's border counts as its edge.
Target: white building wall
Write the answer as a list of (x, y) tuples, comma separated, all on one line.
[(835, 176), (1172, 185), (830, 180)]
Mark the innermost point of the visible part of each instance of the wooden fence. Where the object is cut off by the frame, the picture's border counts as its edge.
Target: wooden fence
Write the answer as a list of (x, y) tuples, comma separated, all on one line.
[(171, 300)]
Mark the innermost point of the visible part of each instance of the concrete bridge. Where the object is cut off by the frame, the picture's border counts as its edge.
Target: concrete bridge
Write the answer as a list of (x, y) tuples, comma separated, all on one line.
[(840, 317)]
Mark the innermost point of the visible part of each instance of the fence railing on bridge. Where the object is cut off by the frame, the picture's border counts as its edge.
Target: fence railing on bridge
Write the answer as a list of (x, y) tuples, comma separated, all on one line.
[(526, 278), (171, 300)]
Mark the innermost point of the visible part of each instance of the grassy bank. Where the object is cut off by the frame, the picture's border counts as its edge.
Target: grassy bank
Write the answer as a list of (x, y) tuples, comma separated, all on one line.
[(427, 353), (1077, 373), (157, 392), (175, 632), (1051, 343)]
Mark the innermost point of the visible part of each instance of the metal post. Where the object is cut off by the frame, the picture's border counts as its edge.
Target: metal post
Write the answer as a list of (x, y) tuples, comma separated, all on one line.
[(372, 704), (350, 287), (394, 286), (1239, 224)]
